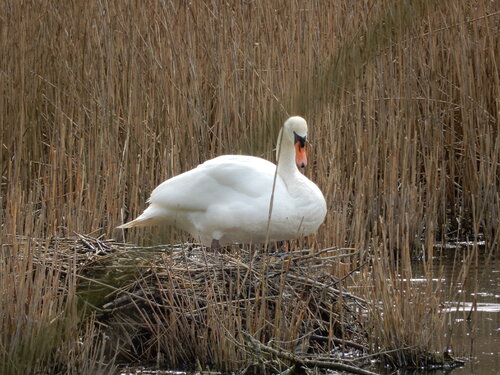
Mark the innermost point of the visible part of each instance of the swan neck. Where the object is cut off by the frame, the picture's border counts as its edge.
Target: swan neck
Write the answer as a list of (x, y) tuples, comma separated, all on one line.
[(285, 155)]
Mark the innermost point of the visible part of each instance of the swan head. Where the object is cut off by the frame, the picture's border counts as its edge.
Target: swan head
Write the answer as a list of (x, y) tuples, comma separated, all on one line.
[(295, 130)]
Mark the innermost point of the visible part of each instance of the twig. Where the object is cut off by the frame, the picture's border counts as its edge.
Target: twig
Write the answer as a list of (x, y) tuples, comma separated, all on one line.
[(287, 356), (340, 342), (307, 280)]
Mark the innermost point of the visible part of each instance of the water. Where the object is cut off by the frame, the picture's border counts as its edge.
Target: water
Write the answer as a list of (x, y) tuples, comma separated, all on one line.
[(474, 312)]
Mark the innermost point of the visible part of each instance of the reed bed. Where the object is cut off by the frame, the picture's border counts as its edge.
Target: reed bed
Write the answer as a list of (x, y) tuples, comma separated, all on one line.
[(404, 314), (100, 101), (41, 329)]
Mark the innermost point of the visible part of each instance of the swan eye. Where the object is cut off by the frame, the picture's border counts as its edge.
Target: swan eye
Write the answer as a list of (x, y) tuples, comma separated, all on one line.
[(300, 140)]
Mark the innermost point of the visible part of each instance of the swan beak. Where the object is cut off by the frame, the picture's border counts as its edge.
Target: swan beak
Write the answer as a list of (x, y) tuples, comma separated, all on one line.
[(300, 153)]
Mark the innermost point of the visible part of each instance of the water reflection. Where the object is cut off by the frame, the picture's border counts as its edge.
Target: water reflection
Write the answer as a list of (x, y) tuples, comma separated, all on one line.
[(474, 311)]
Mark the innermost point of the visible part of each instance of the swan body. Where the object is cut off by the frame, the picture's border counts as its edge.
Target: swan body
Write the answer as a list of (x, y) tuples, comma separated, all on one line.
[(227, 199)]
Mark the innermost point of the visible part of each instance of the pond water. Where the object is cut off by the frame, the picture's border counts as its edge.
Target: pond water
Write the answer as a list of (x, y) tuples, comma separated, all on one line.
[(474, 312)]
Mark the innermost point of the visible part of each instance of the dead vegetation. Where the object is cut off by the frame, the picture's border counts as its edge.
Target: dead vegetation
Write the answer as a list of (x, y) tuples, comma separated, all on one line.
[(101, 101), (241, 309), (42, 331), (195, 305)]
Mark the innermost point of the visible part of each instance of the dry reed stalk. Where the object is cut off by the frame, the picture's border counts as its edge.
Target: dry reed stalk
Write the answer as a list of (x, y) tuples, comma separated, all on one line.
[(41, 330), (405, 323)]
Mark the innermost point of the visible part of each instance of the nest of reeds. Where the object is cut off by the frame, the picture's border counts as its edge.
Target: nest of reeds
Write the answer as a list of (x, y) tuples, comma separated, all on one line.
[(247, 310), (189, 307)]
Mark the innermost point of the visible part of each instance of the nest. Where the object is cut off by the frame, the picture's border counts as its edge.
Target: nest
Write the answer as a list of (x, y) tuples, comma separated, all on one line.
[(188, 306), (236, 309)]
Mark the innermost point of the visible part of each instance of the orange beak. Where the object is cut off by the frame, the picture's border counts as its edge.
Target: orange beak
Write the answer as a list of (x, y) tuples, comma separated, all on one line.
[(300, 155)]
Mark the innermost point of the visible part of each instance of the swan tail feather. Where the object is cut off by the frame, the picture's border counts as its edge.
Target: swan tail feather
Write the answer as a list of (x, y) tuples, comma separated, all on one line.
[(151, 216), (137, 223)]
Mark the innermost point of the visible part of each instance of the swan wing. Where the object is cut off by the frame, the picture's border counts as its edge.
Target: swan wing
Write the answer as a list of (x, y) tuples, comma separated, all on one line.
[(225, 179)]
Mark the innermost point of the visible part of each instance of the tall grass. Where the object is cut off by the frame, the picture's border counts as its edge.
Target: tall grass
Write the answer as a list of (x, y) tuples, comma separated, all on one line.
[(100, 101), (103, 101), (41, 330)]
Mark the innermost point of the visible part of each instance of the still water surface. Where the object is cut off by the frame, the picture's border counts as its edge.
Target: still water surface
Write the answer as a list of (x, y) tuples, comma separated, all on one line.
[(473, 309)]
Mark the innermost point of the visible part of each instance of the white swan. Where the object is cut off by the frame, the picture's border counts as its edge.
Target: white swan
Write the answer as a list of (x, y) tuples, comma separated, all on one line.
[(226, 199)]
